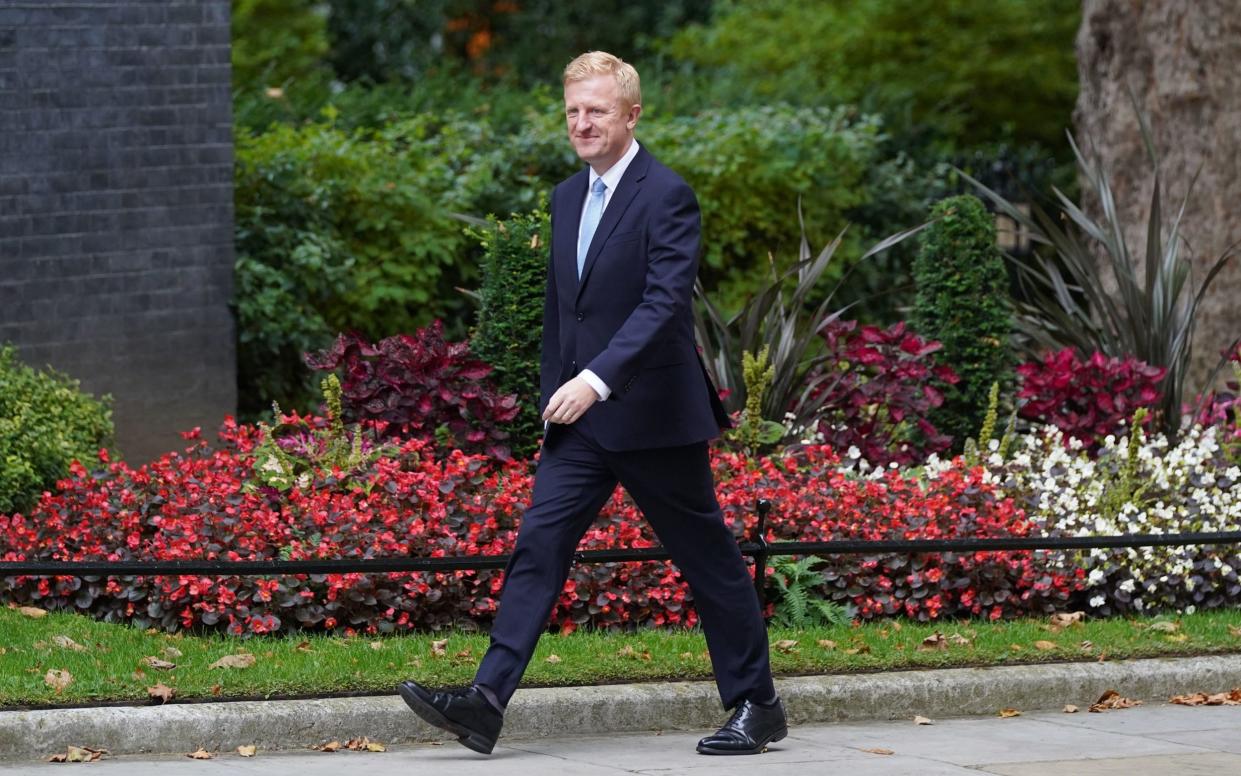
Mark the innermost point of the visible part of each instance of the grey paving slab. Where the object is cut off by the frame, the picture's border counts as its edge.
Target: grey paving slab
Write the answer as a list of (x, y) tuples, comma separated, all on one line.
[(1225, 739), (975, 741), (1207, 764), (1024, 746)]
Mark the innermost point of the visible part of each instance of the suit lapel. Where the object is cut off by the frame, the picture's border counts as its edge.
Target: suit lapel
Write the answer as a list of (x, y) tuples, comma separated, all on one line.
[(626, 190), (568, 219)]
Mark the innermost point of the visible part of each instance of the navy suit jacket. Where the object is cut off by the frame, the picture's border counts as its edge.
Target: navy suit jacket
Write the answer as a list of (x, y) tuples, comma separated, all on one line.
[(630, 318)]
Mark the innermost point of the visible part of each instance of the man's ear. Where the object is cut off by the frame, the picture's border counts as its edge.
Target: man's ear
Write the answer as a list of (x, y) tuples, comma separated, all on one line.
[(634, 113)]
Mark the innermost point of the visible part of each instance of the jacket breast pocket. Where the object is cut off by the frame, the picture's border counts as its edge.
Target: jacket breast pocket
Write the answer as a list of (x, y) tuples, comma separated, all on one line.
[(618, 238)]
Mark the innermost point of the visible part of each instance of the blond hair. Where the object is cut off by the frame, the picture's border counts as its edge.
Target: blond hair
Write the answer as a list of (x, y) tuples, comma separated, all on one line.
[(595, 63)]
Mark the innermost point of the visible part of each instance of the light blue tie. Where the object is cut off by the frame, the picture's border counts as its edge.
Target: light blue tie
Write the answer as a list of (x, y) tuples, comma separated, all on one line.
[(590, 221)]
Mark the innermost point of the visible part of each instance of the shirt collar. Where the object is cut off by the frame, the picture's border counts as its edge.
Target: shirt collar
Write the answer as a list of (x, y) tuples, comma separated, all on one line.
[(612, 177)]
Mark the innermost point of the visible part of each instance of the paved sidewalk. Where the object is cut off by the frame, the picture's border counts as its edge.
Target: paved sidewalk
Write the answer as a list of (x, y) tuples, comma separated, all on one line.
[(1150, 740)]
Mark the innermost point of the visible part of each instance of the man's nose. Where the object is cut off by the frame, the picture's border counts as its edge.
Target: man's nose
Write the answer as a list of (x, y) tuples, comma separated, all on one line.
[(582, 123)]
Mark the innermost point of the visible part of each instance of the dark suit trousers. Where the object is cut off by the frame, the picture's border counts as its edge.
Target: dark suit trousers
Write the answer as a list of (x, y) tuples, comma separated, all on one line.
[(674, 489)]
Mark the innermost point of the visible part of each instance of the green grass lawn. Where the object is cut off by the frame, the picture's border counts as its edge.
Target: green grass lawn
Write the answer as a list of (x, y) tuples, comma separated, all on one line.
[(105, 661)]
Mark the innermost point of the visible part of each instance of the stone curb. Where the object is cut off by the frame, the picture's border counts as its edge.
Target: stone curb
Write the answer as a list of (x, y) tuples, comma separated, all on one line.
[(548, 712)]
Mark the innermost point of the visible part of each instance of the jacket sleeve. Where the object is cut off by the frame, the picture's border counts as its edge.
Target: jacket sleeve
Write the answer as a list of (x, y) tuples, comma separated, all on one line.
[(671, 266)]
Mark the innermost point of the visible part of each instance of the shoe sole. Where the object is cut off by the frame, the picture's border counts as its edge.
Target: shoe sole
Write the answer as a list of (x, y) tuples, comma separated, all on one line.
[(762, 747), (431, 715)]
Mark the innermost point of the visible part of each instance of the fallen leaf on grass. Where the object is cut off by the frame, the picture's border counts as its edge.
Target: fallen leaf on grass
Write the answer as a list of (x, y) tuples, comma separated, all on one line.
[(933, 642), (1178, 637), (247, 751), (879, 750), (303, 647), (377, 645), (1234, 630), (1062, 620), (172, 653), (1007, 713), (827, 644), (1113, 700), (78, 754), (553, 659), (240, 660), (629, 651), (958, 640), (786, 645), (1086, 646), (1165, 627), (58, 679), (64, 642), (687, 655), (920, 720), (150, 661), (1046, 646), (439, 648), (467, 652), (32, 611), (200, 754), (161, 691), (861, 650), (216, 689), (1070, 709)]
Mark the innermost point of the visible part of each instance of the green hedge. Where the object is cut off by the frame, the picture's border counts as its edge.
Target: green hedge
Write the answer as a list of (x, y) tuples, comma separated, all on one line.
[(46, 422), (963, 301), (510, 316)]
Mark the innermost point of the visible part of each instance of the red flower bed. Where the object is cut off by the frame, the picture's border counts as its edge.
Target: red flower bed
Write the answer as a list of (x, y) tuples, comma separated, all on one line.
[(201, 504)]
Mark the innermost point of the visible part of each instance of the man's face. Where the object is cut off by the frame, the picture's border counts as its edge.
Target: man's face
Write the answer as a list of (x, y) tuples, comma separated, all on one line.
[(600, 124)]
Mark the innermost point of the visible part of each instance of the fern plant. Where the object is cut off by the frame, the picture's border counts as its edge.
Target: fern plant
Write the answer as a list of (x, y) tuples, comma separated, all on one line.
[(798, 605)]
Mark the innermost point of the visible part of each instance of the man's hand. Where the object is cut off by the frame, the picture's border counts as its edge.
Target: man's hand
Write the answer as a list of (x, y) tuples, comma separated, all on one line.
[(570, 401)]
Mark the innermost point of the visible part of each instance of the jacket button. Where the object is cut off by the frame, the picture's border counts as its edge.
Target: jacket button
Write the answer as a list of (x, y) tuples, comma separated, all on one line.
[(580, 316)]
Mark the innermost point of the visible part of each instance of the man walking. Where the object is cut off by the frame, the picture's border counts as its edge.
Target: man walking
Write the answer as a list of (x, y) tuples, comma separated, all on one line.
[(626, 399)]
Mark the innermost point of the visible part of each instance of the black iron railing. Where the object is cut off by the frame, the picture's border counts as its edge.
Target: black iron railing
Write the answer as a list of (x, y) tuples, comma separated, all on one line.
[(756, 547)]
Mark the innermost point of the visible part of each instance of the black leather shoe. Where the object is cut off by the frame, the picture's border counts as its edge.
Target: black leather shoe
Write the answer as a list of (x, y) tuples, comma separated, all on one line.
[(749, 730), (465, 713)]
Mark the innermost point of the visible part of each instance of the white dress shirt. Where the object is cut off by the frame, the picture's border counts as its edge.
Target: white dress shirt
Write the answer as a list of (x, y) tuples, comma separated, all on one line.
[(611, 179)]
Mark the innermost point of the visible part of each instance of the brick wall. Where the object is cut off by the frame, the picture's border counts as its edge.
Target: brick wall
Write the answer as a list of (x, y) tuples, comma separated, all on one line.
[(116, 199)]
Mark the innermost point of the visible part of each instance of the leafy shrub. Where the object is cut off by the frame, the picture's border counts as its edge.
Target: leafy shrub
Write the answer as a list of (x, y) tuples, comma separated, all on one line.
[(877, 390), (275, 41), (423, 386), (750, 167), (510, 316), (920, 63), (46, 422), (784, 324), (1112, 309), (336, 232), (962, 302), (1087, 400)]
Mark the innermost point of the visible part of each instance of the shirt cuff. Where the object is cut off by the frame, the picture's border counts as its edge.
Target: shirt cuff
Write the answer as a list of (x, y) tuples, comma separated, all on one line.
[(593, 381)]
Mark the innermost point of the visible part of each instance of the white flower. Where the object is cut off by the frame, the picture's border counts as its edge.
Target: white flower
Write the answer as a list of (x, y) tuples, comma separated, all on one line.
[(1097, 601)]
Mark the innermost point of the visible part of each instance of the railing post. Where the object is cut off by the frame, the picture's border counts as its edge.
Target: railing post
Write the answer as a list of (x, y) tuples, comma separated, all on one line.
[(762, 506)]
